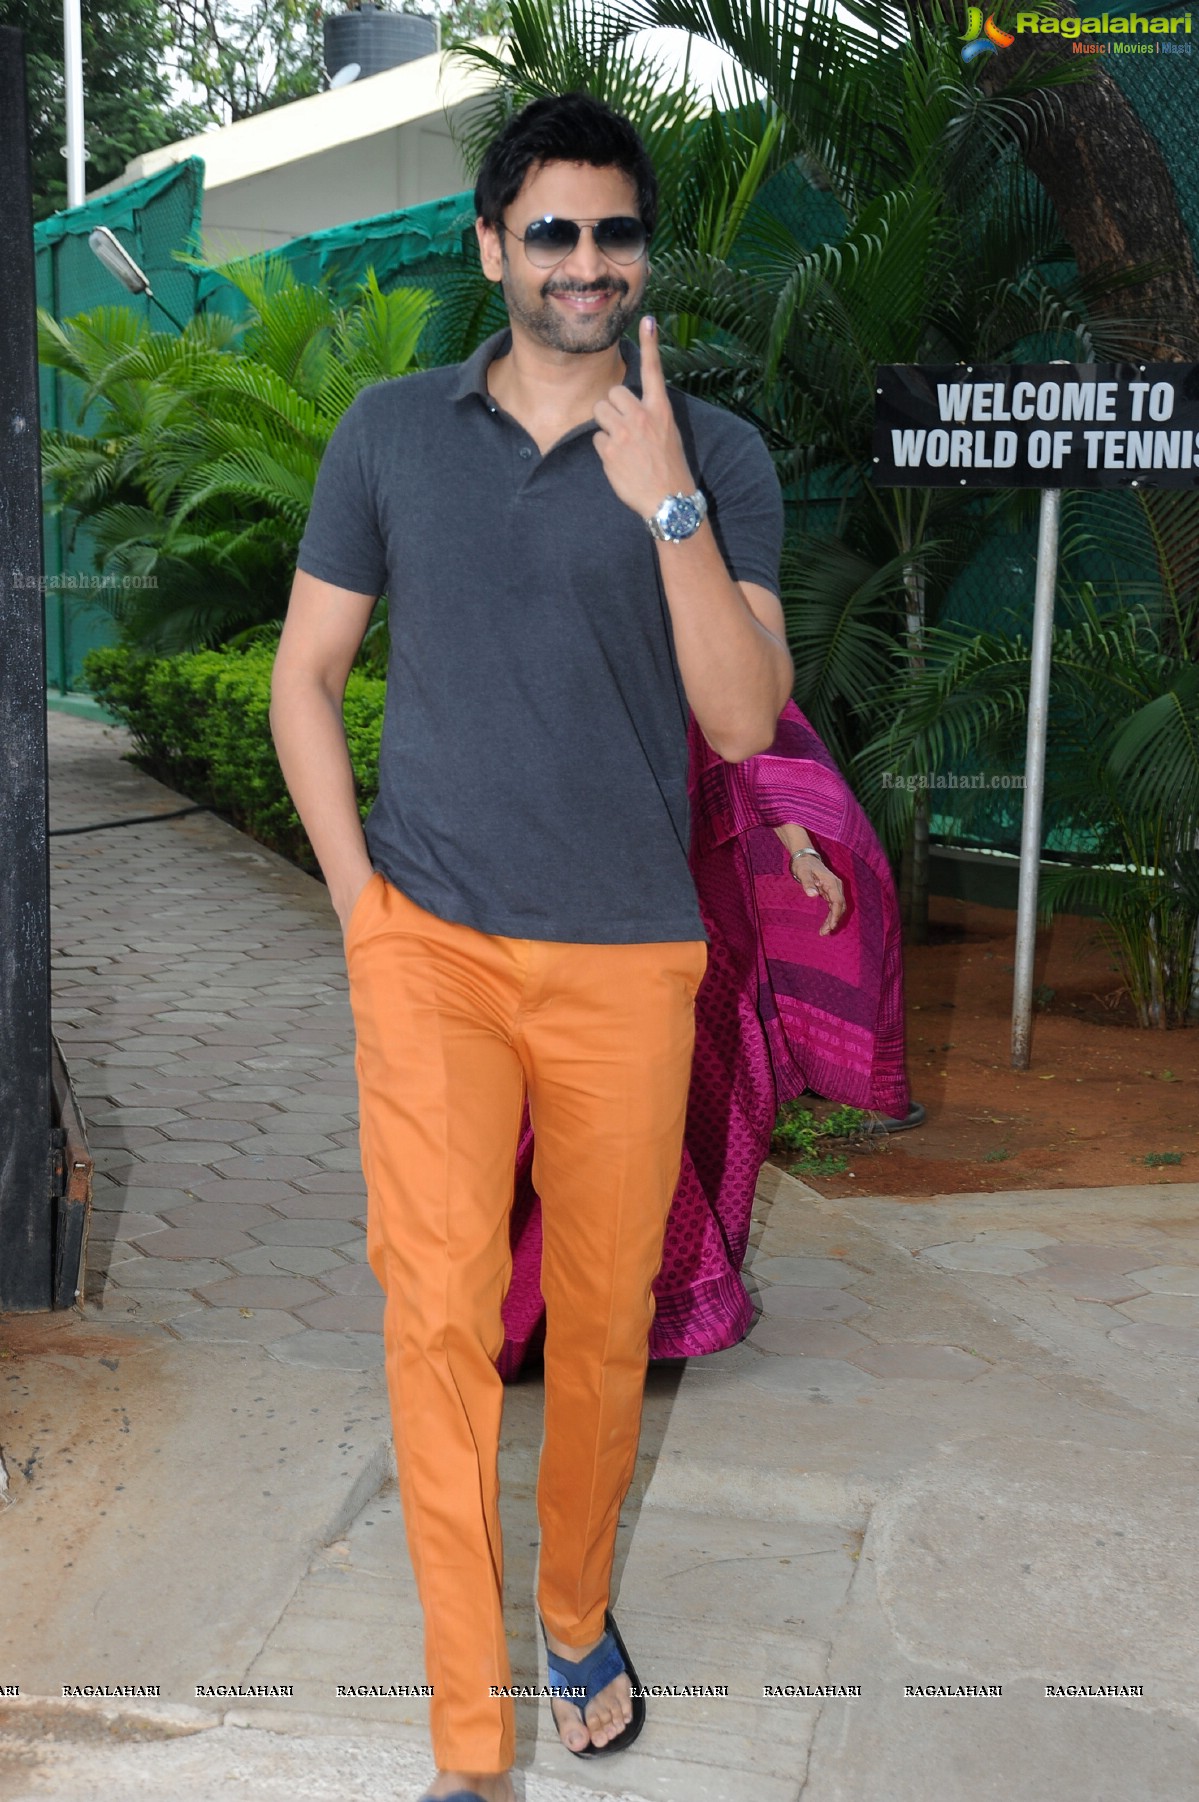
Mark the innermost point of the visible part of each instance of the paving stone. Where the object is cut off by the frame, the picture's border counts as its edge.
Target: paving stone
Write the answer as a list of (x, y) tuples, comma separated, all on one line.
[(305, 1232), (258, 1191), (234, 1112), (345, 1313), (245, 1167), (109, 1197), (130, 1116), (286, 1144), (249, 1091), (928, 1363), (225, 1131), (825, 1273), (194, 1016), (1086, 1285), (106, 1254), (225, 1291), (1118, 1260), (1148, 1336), (230, 1326), (293, 1260), (808, 1338), (121, 1224), (820, 1380), (126, 1094), (318, 1350), (169, 1273), (320, 1096), (317, 1122), (334, 1182), (321, 1207), (353, 1279), (124, 1133), (797, 1302), (1166, 1310), (1018, 1237), (154, 1043), (355, 1248), (1169, 1279), (990, 1260), (148, 1307), (109, 1159), (197, 1242), (151, 1173), (346, 1157), (202, 1214)]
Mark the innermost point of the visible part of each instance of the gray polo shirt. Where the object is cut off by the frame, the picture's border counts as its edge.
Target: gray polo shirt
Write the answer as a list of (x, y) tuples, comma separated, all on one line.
[(533, 767)]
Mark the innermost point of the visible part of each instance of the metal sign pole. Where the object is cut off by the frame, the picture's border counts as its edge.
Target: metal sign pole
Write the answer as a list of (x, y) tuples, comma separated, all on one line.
[(1034, 774)]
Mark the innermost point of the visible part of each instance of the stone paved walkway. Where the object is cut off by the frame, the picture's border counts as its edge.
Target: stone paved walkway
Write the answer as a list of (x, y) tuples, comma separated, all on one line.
[(200, 1001), (957, 1447)]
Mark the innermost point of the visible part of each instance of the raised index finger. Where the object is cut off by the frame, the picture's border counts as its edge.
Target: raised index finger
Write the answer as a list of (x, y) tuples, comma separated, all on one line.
[(653, 382)]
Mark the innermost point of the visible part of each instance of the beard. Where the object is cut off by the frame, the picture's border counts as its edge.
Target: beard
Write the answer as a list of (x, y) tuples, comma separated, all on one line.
[(578, 337)]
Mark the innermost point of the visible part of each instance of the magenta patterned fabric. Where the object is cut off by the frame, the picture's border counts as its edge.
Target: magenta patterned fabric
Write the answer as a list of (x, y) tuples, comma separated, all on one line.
[(780, 1010)]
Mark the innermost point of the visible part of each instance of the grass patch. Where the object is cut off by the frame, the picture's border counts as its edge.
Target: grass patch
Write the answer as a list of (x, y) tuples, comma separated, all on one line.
[(799, 1134)]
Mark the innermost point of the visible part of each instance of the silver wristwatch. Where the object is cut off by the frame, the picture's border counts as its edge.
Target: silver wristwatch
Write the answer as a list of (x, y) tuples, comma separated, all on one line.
[(678, 517)]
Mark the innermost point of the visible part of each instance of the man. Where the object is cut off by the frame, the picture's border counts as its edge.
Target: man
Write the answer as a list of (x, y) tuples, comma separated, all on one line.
[(519, 916)]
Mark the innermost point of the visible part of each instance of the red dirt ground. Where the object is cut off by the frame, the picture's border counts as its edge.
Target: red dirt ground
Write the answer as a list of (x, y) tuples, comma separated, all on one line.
[(1100, 1096)]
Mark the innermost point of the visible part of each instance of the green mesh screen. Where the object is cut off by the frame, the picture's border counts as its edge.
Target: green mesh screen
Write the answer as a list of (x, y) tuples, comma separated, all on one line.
[(152, 219)]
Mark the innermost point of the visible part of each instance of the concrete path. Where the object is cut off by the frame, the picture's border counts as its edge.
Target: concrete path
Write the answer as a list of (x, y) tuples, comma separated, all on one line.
[(931, 1527)]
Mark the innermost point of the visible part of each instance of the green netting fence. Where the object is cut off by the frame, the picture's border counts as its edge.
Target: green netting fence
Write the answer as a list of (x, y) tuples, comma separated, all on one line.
[(152, 219), (425, 246)]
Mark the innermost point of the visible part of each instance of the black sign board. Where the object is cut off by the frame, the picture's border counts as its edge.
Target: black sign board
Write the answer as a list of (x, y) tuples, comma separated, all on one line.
[(1037, 425)]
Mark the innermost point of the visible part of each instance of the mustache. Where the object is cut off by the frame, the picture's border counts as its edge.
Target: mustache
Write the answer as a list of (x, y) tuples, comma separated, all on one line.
[(608, 286)]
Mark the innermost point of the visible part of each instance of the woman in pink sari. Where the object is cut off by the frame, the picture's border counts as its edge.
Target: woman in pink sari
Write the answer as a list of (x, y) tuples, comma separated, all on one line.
[(798, 995)]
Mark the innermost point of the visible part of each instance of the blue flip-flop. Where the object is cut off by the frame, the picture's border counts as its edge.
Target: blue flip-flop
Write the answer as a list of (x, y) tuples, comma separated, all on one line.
[(459, 1795), (593, 1673)]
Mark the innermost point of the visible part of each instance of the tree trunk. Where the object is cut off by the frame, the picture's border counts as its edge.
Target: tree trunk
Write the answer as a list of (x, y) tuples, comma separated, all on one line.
[(1113, 193)]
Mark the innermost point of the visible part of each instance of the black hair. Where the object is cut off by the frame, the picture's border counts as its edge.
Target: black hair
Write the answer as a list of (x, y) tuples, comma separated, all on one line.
[(564, 128)]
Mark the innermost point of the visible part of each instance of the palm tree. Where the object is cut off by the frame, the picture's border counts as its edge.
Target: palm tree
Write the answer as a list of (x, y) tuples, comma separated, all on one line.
[(196, 482)]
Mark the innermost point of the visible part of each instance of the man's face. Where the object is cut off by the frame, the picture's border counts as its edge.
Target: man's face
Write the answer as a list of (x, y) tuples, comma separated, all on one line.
[(586, 301)]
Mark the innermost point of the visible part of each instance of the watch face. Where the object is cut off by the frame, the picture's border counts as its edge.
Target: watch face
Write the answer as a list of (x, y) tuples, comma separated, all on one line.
[(680, 517)]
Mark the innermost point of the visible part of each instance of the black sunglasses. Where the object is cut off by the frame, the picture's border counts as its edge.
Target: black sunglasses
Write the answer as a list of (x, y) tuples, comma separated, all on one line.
[(550, 240)]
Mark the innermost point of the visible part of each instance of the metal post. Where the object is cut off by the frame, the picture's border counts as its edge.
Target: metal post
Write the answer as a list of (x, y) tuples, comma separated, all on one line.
[(1034, 774), (72, 55), (26, 1222)]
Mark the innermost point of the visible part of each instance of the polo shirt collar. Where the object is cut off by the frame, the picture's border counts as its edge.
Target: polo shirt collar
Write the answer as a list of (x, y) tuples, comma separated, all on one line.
[(472, 374)]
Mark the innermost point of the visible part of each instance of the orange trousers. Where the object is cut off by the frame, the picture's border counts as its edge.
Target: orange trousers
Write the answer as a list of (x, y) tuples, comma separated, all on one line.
[(454, 1028)]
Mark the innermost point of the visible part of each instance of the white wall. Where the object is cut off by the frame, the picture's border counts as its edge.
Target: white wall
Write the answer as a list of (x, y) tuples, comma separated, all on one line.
[(406, 166)]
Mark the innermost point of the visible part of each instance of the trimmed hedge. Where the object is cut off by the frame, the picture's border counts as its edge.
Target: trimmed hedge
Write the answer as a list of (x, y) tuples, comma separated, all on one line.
[(200, 723)]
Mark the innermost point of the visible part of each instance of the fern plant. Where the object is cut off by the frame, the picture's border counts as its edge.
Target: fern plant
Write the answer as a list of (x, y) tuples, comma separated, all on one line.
[(197, 474)]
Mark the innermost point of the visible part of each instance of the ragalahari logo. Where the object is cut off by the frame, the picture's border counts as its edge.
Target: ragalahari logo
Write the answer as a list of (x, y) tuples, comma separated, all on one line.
[(982, 37)]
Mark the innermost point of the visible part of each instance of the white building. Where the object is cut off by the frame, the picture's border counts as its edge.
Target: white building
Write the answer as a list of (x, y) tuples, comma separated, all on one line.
[(380, 143)]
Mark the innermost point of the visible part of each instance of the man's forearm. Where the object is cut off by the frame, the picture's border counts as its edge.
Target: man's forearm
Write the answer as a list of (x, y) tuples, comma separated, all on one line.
[(737, 675), (310, 738)]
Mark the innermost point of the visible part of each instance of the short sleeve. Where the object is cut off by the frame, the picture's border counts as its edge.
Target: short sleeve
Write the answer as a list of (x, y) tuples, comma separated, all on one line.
[(342, 541), (745, 504)]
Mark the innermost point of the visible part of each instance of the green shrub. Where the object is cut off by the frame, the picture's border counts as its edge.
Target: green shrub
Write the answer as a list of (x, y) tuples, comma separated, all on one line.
[(200, 723)]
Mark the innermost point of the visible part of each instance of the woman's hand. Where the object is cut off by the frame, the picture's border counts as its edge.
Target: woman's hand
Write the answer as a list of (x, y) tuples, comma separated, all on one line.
[(818, 881)]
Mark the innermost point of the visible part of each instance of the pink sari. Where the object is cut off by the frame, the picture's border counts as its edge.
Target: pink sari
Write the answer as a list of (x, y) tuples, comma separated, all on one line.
[(780, 1010)]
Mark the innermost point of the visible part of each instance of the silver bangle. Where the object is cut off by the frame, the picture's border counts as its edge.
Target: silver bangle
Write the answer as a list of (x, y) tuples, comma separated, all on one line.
[(808, 851)]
